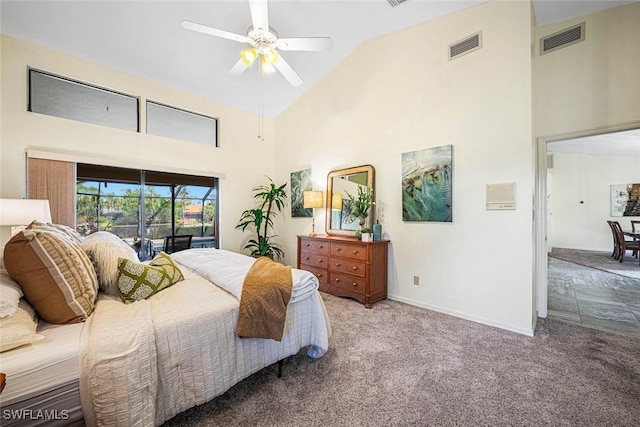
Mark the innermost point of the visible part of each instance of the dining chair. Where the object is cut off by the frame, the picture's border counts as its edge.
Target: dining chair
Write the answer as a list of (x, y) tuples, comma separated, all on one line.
[(624, 244), (635, 225), (177, 243), (616, 245)]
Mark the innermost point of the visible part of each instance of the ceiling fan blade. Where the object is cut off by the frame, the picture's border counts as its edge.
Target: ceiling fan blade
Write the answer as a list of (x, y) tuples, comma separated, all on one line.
[(305, 43), (259, 14), (214, 31), (238, 68), (288, 73)]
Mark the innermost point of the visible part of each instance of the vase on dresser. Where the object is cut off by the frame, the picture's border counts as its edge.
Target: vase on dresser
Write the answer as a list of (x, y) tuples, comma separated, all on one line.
[(346, 266)]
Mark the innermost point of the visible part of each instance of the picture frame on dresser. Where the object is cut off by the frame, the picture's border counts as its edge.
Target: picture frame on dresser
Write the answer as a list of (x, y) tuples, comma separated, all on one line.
[(346, 266)]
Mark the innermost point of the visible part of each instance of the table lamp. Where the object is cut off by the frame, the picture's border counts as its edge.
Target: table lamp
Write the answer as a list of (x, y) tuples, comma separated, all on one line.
[(312, 200), (18, 213)]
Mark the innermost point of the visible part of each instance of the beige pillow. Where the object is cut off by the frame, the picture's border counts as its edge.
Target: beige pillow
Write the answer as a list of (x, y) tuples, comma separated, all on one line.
[(20, 329), (56, 276), (104, 249), (10, 292), (60, 228)]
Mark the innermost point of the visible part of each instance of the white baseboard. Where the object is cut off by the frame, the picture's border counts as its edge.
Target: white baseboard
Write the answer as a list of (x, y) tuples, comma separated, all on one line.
[(523, 331)]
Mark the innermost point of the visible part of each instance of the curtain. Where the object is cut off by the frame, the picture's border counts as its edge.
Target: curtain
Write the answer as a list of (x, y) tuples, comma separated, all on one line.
[(54, 180)]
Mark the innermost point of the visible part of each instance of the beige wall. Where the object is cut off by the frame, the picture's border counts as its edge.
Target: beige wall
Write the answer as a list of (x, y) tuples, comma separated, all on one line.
[(399, 93), (580, 198), (22, 129), (593, 84)]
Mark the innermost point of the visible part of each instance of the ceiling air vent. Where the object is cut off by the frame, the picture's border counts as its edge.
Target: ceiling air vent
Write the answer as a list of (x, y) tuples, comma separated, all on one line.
[(562, 39), (395, 3), (465, 46)]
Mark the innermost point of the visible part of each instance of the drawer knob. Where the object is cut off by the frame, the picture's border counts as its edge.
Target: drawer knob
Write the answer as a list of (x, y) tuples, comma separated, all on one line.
[(306, 259), (354, 284), (321, 246), (337, 264), (320, 261), (319, 275), (355, 252), (307, 245), (338, 249), (337, 280), (355, 268)]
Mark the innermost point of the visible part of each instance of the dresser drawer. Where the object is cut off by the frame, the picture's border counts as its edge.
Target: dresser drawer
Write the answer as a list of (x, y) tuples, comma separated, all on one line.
[(350, 283), (320, 273), (342, 265), (314, 260), (314, 246), (348, 250)]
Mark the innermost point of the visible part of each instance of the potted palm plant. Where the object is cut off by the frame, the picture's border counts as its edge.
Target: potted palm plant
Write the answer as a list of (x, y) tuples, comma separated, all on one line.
[(270, 199), (361, 205)]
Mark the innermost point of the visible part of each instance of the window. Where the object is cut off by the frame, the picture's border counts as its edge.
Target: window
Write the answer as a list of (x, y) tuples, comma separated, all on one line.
[(113, 199), (170, 122), (60, 97)]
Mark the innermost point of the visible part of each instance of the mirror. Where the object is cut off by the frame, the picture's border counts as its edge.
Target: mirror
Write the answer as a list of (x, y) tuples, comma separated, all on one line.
[(340, 220)]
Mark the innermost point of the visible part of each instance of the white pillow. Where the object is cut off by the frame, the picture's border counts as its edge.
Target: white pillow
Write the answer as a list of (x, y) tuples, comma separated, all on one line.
[(104, 249), (19, 329), (10, 292)]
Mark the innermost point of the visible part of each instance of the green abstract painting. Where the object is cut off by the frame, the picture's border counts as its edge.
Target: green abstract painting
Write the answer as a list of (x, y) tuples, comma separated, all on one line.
[(426, 184), (300, 182)]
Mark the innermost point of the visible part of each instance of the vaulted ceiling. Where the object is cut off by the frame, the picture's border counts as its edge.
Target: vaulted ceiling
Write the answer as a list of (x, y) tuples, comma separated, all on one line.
[(145, 38)]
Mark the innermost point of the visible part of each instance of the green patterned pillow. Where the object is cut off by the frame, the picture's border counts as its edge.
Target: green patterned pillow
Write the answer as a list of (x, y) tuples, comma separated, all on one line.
[(138, 281)]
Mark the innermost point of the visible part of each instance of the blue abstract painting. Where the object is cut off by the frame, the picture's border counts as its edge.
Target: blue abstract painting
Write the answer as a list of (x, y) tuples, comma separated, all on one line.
[(426, 184)]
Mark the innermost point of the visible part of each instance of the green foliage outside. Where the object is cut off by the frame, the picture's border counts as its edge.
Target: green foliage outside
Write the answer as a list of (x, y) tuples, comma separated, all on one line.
[(120, 214)]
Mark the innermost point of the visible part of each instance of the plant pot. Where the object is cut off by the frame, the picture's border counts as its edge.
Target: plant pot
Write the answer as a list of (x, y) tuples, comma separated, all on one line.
[(367, 237)]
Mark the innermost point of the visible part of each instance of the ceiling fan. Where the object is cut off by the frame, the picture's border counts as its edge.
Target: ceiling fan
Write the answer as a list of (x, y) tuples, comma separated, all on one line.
[(264, 43)]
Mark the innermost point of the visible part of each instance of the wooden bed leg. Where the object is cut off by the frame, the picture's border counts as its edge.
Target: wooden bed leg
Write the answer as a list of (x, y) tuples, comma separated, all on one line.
[(280, 362)]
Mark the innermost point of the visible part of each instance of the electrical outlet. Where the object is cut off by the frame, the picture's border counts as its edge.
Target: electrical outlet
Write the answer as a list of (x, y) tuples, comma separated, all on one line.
[(416, 280)]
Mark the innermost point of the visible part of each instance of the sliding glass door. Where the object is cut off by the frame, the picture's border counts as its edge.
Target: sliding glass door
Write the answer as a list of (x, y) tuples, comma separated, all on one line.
[(115, 199)]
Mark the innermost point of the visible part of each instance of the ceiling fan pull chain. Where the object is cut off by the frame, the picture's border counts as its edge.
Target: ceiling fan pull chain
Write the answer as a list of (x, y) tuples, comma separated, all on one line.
[(260, 102)]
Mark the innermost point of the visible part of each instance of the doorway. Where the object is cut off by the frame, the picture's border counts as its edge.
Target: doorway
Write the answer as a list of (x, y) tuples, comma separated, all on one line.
[(578, 281)]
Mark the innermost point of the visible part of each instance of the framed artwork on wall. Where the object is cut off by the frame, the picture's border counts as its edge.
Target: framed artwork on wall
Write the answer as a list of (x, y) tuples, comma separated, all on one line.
[(300, 182), (426, 184), (625, 200)]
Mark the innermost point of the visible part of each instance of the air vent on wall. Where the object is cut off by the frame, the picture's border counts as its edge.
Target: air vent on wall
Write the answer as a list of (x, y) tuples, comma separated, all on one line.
[(563, 38), (549, 161), (465, 46), (395, 3)]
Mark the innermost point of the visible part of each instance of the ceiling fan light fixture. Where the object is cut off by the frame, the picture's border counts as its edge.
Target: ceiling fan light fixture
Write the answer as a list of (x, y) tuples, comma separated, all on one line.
[(248, 56), (269, 56)]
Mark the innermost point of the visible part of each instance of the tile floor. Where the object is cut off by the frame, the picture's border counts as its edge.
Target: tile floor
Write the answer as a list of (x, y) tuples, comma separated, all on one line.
[(593, 298)]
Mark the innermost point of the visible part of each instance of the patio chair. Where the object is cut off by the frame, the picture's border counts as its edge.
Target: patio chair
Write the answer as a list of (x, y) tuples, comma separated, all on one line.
[(177, 243)]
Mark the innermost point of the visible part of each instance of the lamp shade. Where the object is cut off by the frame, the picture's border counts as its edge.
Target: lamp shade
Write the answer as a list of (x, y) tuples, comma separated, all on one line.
[(336, 201), (312, 199), (15, 212)]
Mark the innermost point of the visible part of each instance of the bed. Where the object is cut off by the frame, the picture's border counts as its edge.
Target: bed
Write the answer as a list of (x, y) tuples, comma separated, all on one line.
[(143, 363)]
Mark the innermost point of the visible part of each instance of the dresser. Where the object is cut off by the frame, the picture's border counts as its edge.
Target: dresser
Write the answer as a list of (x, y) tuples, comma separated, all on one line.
[(346, 266)]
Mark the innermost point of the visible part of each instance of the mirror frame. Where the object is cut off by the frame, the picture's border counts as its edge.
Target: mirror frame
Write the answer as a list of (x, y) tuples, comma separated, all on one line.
[(370, 183)]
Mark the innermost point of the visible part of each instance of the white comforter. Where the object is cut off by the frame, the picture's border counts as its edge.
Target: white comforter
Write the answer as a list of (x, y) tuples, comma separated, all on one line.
[(145, 362), (228, 269)]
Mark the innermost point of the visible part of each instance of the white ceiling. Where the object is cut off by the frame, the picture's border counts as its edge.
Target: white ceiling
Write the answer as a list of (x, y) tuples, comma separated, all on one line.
[(145, 38), (625, 143)]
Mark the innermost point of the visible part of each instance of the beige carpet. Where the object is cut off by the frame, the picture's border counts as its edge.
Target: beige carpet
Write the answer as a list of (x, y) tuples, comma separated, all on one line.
[(399, 365), (599, 260)]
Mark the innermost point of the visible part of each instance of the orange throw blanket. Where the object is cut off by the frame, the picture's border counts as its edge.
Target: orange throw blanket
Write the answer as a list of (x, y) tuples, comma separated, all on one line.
[(266, 291)]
